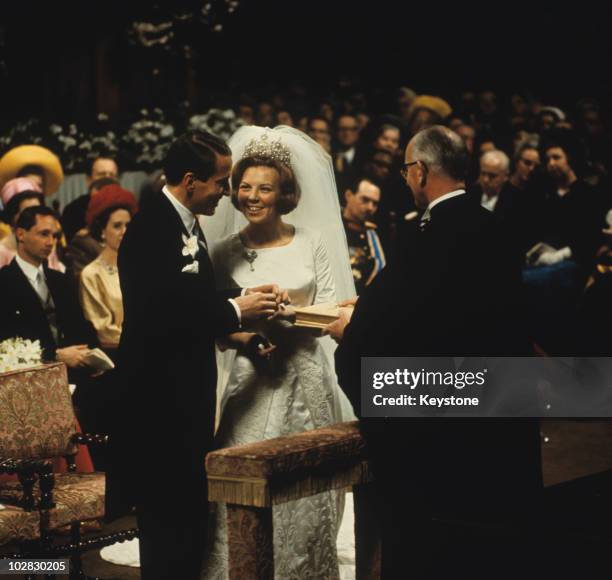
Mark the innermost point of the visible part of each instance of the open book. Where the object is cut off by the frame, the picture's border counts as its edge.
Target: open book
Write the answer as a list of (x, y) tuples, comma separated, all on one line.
[(98, 360), (317, 315)]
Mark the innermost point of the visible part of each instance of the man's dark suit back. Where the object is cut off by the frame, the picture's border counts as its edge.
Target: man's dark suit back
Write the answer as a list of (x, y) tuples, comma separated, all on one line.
[(452, 293)]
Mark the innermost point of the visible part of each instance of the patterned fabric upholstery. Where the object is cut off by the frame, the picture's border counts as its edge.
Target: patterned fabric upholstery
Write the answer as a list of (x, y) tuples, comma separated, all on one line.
[(36, 415), (17, 524), (77, 497)]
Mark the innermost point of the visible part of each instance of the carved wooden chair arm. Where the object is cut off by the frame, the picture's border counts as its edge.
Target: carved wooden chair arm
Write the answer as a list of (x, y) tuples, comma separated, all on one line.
[(28, 471), (90, 439)]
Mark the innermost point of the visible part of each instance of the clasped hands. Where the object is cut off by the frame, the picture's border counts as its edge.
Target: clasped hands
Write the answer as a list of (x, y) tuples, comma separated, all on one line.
[(267, 301)]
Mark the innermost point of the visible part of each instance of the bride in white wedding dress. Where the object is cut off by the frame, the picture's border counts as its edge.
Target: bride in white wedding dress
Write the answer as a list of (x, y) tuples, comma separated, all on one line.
[(278, 173)]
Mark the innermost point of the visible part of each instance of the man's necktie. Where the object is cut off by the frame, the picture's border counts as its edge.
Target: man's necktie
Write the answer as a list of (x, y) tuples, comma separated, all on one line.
[(198, 233), (48, 305), (41, 287)]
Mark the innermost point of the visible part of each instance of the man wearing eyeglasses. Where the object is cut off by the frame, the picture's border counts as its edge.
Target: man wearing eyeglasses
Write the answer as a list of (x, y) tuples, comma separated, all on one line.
[(442, 483)]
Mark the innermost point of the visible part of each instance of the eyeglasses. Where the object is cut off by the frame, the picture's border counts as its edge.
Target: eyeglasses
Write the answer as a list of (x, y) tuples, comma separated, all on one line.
[(404, 168)]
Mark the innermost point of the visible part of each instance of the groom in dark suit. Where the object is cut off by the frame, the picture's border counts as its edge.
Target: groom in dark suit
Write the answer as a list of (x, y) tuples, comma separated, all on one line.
[(443, 482), (173, 313)]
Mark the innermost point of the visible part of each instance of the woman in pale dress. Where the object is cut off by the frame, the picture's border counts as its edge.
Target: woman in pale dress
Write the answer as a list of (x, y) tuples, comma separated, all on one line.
[(295, 389), (108, 216)]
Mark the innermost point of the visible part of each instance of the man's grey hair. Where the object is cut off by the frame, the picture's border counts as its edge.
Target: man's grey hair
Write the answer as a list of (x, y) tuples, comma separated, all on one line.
[(497, 157), (442, 151)]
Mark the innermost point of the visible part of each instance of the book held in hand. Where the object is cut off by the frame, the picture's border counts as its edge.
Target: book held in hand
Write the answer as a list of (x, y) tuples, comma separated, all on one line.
[(98, 360), (317, 315)]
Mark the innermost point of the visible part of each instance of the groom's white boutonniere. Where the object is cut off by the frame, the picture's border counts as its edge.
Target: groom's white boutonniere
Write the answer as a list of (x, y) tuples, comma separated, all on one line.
[(191, 249), (191, 246)]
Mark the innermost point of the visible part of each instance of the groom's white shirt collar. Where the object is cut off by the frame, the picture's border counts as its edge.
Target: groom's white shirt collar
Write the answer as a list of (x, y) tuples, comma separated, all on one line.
[(187, 216)]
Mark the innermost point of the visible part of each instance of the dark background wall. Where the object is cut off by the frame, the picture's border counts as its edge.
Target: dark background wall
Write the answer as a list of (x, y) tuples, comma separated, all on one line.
[(73, 59)]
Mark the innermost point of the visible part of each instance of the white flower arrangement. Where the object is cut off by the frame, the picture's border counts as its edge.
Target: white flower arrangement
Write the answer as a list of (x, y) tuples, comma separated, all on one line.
[(19, 353), (222, 123), (148, 139)]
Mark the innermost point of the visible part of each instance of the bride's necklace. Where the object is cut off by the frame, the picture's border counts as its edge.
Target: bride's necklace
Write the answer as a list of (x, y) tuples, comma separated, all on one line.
[(250, 256)]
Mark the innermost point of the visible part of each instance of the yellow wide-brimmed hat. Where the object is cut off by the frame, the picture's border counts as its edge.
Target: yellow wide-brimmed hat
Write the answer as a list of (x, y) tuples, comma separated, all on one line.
[(16, 159), (435, 104)]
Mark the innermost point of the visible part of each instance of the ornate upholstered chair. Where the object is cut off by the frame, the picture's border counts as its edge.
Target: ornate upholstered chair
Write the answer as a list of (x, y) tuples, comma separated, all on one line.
[(37, 425)]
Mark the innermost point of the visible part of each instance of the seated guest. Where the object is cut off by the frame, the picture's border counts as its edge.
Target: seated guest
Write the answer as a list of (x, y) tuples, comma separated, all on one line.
[(16, 195), (365, 250), (318, 129), (345, 151), (41, 304), (73, 216), (397, 206), (494, 170), (572, 212), (108, 216), (525, 163), (38, 303), (84, 248), (34, 162), (566, 232)]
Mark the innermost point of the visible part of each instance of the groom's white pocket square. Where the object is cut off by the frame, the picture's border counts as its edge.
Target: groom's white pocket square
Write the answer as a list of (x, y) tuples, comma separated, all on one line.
[(192, 268)]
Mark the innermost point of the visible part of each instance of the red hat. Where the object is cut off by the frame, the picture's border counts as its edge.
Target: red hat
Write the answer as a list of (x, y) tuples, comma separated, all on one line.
[(110, 196)]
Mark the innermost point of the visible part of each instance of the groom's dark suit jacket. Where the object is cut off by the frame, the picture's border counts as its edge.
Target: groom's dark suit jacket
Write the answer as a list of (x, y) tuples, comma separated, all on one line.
[(165, 411), (451, 292)]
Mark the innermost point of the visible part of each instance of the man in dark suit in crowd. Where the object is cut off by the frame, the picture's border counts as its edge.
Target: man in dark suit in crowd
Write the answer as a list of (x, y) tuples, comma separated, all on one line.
[(450, 293), (173, 313), (346, 154), (38, 303), (42, 304), (73, 216)]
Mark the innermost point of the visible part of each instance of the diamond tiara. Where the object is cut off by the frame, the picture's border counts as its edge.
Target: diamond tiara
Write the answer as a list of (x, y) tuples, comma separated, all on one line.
[(265, 147)]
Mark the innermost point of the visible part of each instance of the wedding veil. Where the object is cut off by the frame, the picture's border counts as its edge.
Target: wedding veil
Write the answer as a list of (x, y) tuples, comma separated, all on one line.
[(318, 208)]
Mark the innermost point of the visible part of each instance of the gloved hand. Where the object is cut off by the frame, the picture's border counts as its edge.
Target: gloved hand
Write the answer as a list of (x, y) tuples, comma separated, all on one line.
[(550, 258)]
